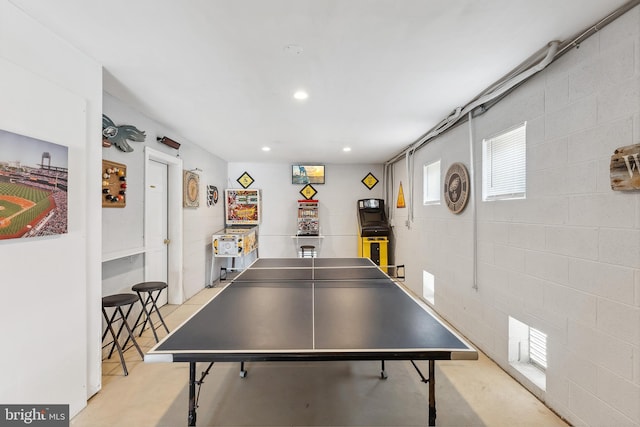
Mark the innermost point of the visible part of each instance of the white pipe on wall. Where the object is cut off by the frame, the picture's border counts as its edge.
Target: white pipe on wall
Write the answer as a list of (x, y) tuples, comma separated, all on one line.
[(461, 112), (499, 90), (472, 201)]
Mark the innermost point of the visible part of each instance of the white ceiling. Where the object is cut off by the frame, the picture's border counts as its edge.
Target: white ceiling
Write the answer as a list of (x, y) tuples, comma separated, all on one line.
[(379, 73)]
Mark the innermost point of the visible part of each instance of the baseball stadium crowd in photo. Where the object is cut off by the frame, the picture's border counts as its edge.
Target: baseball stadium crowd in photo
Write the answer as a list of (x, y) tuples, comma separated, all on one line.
[(33, 201)]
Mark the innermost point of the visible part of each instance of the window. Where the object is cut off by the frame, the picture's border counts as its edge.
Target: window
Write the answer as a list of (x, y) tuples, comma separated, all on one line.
[(538, 348), (429, 287), (504, 165), (431, 178), (528, 351)]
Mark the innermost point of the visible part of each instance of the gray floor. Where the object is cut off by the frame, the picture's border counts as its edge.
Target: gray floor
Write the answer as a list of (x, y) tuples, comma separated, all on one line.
[(468, 393)]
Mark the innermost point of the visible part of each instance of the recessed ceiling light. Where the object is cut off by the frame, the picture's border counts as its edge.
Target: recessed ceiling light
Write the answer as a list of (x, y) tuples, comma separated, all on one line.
[(301, 95), (266, 148), (346, 149)]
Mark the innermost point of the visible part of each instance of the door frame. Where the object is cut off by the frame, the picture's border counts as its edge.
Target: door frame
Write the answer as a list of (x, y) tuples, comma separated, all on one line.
[(175, 293)]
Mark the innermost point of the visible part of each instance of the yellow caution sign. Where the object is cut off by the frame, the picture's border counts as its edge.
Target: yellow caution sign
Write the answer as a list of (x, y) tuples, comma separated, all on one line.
[(400, 197)]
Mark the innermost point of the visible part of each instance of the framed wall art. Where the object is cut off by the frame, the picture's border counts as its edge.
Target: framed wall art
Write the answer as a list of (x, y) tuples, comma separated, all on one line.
[(33, 187)]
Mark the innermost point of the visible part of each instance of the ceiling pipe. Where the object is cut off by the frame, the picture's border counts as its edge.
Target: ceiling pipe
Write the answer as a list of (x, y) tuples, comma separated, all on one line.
[(579, 38), (499, 89), (514, 78)]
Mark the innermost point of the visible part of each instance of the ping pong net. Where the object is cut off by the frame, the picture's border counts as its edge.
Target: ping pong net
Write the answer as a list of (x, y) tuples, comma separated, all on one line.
[(273, 271)]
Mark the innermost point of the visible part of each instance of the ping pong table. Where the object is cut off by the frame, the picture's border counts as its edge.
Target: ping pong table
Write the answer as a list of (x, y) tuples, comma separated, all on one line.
[(311, 309)]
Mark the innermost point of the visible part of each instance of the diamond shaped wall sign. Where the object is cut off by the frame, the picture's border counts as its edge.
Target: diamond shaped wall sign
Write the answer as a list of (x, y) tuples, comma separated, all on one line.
[(308, 191), (369, 181), (245, 180)]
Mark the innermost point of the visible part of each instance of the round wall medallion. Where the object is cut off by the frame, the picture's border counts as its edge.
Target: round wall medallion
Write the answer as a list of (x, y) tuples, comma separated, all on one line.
[(456, 187), (192, 189)]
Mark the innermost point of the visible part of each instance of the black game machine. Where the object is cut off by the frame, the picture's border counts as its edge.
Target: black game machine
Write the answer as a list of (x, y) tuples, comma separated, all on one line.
[(374, 231)]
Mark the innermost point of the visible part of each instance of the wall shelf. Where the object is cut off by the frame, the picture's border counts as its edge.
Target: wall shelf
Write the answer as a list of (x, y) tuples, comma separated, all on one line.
[(110, 256)]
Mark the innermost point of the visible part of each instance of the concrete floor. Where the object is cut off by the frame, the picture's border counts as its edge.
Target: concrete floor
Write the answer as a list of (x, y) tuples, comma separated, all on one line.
[(468, 393)]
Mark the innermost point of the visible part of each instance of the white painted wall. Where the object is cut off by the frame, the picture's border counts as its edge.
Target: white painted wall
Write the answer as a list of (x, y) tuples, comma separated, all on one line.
[(337, 206), (567, 259), (124, 228), (51, 346)]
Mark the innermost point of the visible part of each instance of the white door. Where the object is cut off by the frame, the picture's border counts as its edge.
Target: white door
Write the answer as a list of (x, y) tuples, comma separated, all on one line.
[(156, 225)]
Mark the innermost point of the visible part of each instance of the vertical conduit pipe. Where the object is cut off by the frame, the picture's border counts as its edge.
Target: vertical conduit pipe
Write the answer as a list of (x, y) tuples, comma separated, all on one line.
[(388, 182), (474, 211), (407, 159)]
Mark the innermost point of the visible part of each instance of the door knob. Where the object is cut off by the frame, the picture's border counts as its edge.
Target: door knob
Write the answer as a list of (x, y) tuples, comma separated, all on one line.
[(166, 241)]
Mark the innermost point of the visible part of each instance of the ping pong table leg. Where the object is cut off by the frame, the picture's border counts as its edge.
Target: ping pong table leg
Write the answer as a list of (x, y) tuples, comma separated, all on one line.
[(431, 380), (192, 394), (383, 372), (432, 392)]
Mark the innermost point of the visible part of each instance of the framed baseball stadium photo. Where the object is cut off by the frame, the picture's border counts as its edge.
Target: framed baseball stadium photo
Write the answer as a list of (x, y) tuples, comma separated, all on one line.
[(33, 187)]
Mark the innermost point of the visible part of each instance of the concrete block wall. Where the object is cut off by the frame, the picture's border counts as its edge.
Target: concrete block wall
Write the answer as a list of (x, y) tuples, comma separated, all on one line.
[(565, 260)]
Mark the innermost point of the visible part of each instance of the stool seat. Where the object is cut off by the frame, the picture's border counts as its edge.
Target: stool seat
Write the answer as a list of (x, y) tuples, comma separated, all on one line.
[(152, 290), (118, 300), (148, 286)]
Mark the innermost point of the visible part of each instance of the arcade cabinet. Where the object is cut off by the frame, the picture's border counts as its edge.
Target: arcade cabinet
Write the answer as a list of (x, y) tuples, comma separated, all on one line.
[(239, 238), (374, 232)]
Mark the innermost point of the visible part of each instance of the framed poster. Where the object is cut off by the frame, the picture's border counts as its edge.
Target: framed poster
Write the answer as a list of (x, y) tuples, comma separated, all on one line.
[(33, 187)]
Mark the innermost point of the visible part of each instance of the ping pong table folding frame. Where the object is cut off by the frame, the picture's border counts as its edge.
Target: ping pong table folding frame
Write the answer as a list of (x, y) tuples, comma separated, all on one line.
[(462, 351)]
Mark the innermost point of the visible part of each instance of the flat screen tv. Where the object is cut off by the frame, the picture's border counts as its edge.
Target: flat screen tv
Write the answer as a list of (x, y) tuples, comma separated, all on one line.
[(307, 174)]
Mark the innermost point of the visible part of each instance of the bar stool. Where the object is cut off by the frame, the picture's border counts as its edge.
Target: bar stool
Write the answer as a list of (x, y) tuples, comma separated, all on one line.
[(310, 249), (118, 301), (152, 291)]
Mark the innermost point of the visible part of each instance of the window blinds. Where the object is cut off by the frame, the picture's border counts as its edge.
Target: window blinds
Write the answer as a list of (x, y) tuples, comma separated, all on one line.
[(504, 165)]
